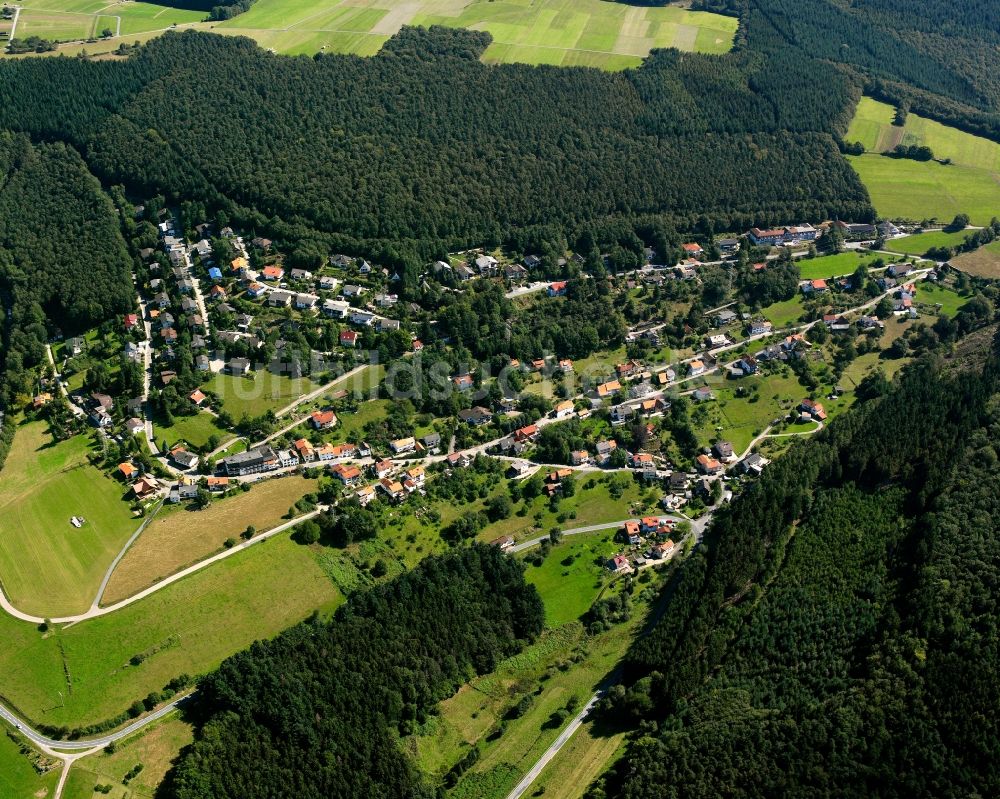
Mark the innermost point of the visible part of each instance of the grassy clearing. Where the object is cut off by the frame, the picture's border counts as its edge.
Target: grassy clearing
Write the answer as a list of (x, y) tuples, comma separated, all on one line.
[(70, 20), (828, 266), (505, 760), (82, 674), (785, 313), (195, 430), (180, 536), (257, 395), (573, 575), (914, 190), (48, 567), (582, 760), (949, 299), (19, 778), (984, 262), (155, 749), (920, 243)]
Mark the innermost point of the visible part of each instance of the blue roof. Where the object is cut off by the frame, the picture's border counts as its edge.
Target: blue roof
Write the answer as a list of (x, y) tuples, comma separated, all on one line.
[(215, 272)]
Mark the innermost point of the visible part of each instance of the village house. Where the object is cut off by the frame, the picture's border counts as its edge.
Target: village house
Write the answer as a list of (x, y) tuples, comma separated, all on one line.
[(702, 394), (604, 450), (183, 459), (725, 317), (306, 301), (717, 340), (760, 327), (486, 265), (476, 416), (402, 446), (747, 365), (696, 367), (365, 495), (463, 382), (145, 486), (504, 542), (753, 463), (527, 433), (238, 366), (708, 465), (557, 289), (813, 286), (323, 420), (253, 461), (629, 534), (619, 564), (347, 474), (723, 450), (272, 273), (327, 283), (640, 460), (579, 457), (693, 250), (393, 489), (605, 390), (620, 414), (348, 338), (564, 410), (812, 409)]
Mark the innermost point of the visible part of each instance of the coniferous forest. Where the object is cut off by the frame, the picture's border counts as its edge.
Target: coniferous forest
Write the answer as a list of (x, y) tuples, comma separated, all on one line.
[(837, 633), (317, 711)]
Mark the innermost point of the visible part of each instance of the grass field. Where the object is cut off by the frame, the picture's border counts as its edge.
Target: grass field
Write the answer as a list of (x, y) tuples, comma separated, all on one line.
[(920, 243), (984, 262), (827, 266), (951, 301), (785, 313), (180, 536), (47, 566), (193, 430), (909, 189), (154, 749), (254, 396), (558, 32), (82, 674), (70, 20), (18, 776), (573, 575), (505, 760)]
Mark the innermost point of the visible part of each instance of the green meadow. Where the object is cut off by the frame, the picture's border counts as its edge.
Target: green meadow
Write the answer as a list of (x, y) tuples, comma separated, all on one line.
[(48, 567), (902, 188), (920, 243)]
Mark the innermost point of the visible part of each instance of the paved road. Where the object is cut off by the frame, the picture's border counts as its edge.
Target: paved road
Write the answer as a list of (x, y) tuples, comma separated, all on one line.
[(697, 525), (89, 744)]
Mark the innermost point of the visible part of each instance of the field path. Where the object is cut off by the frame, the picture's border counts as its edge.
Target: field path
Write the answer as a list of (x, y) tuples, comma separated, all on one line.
[(97, 611)]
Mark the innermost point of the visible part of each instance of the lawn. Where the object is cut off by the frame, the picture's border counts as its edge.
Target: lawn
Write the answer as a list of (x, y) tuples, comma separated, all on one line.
[(828, 266), (254, 396), (18, 776), (984, 262), (83, 673), (180, 536), (909, 189), (920, 243), (194, 430), (573, 575), (785, 313), (155, 749), (47, 566), (949, 299)]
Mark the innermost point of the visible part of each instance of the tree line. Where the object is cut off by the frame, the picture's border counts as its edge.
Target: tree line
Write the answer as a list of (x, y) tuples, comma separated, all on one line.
[(318, 710)]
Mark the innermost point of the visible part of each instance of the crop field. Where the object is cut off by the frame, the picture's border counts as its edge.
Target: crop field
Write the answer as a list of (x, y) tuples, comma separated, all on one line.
[(558, 32), (903, 188), (984, 262), (180, 536), (85, 673), (47, 566), (919, 243), (573, 575)]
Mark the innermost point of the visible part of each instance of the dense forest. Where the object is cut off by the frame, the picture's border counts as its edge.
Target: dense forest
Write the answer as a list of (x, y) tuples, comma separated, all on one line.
[(63, 261), (317, 711), (940, 57), (837, 632), (424, 148)]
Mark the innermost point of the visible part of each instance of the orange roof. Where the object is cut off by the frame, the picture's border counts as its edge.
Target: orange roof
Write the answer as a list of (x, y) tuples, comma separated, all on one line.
[(691, 247), (127, 469), (819, 284), (238, 263), (272, 272), (631, 527), (611, 387), (197, 396)]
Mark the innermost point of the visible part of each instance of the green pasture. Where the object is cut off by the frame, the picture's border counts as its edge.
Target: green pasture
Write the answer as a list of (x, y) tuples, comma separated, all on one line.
[(47, 566)]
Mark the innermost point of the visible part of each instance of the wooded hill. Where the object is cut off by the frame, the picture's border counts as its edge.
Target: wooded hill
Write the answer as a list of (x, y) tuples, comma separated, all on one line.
[(424, 148), (317, 711), (837, 634)]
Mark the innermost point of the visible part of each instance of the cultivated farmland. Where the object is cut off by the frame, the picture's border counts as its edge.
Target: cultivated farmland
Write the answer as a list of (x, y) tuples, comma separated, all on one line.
[(559, 32)]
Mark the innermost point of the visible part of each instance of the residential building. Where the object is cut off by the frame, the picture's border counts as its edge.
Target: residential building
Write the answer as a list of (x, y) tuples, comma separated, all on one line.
[(402, 446), (323, 420), (564, 409), (557, 289), (760, 327), (708, 465), (476, 416), (619, 564), (812, 409), (723, 449), (771, 236), (348, 338), (183, 459), (579, 457), (504, 542)]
